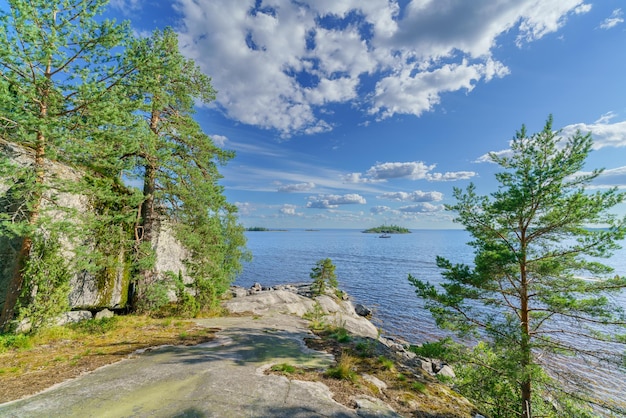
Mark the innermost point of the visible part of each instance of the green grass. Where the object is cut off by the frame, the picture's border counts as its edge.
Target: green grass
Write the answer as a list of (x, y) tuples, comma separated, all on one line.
[(344, 370), (284, 368), (386, 363)]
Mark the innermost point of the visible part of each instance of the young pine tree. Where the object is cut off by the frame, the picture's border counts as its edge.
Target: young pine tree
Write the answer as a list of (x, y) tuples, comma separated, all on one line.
[(323, 275), (535, 290)]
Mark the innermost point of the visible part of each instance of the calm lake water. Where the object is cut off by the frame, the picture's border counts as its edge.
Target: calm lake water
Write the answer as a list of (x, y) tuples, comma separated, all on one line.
[(374, 272)]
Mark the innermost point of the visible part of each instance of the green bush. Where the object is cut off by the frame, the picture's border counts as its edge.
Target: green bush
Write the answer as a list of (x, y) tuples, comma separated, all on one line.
[(45, 294), (15, 341)]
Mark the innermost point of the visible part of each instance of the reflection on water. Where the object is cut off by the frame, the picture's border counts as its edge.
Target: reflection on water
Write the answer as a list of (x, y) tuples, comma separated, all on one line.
[(374, 272)]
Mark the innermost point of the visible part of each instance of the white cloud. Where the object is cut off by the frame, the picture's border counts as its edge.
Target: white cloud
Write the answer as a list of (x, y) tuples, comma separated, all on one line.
[(614, 177), (413, 170), (451, 176), (358, 178), (276, 63), (299, 187), (486, 158), (245, 208), (289, 210), (219, 140), (422, 208), (604, 134), (416, 196), (328, 201), (614, 20)]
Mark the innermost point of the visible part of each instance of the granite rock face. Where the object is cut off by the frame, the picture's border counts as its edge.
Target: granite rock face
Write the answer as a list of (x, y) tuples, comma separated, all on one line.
[(297, 300), (106, 289)]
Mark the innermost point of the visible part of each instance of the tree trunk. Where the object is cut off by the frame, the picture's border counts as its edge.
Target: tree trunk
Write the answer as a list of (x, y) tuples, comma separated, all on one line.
[(149, 216), (14, 287), (526, 361)]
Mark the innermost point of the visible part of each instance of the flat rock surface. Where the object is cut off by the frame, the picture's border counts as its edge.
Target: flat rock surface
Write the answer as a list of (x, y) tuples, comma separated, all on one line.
[(223, 378)]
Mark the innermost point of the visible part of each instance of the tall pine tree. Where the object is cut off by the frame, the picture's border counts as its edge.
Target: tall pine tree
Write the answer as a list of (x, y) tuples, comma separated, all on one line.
[(535, 290), (60, 84), (178, 164)]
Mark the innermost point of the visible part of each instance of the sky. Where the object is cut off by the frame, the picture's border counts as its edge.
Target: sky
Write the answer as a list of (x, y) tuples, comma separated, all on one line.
[(354, 114)]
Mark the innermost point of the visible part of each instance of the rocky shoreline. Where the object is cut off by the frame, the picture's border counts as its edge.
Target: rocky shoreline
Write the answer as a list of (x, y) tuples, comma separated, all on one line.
[(297, 299)]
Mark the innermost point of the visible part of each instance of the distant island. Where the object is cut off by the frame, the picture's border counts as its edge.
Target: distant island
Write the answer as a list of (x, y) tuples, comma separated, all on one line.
[(387, 229), (262, 229)]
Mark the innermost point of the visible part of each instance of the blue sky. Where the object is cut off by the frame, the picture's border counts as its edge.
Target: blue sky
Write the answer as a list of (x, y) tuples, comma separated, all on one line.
[(352, 113)]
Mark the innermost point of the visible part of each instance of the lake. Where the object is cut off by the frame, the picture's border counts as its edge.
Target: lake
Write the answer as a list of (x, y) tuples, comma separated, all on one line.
[(374, 272)]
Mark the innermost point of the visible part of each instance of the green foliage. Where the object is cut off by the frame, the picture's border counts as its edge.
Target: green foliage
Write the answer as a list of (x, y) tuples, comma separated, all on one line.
[(60, 99), (443, 349), (419, 387), (340, 334), (366, 347), (323, 275), (284, 368), (15, 341), (114, 107), (316, 316), (526, 295), (47, 284), (386, 363), (178, 164)]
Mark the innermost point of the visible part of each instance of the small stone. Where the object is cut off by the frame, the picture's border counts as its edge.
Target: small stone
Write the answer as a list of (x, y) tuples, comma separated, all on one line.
[(375, 381), (446, 371), (105, 313)]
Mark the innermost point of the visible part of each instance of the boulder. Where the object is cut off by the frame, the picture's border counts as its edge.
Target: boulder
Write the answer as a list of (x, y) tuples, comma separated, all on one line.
[(73, 316), (105, 313), (446, 371), (363, 310), (379, 384)]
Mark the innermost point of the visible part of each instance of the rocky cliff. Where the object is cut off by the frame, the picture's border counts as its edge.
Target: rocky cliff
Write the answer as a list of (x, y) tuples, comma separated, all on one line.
[(106, 289)]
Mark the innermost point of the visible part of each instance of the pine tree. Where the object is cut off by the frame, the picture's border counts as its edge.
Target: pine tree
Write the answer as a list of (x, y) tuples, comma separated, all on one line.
[(534, 241), (323, 275), (60, 84), (178, 164)]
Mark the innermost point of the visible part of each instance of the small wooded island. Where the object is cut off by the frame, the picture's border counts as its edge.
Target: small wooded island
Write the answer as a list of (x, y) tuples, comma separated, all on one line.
[(387, 229)]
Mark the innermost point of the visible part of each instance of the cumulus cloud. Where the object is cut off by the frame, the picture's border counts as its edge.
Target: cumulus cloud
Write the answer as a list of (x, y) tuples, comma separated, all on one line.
[(605, 134), (299, 187), (288, 210), (358, 178), (330, 201), (613, 20), (416, 196), (277, 63), (422, 208), (413, 170)]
